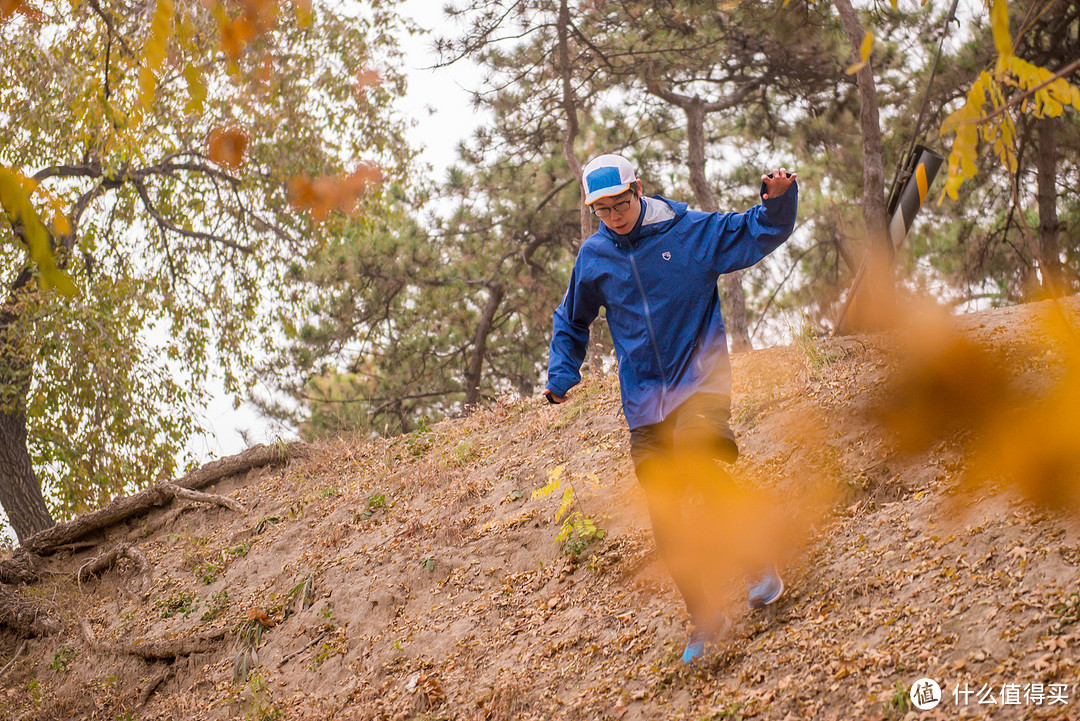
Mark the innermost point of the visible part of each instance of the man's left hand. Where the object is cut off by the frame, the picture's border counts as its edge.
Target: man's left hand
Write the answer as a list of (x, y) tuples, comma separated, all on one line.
[(776, 183)]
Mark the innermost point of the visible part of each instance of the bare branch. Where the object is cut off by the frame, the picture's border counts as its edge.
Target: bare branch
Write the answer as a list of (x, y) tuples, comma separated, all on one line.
[(109, 25), (168, 168), (91, 170), (140, 187)]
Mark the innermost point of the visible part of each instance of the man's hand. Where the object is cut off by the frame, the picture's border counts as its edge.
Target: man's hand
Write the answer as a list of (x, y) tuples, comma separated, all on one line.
[(552, 397), (776, 183)]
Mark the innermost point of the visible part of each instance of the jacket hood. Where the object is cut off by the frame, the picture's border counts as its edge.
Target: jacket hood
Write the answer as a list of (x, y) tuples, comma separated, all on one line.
[(656, 217)]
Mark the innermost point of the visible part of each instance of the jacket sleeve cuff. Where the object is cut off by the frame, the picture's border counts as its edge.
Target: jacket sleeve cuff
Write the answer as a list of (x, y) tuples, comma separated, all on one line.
[(784, 205), (560, 387)]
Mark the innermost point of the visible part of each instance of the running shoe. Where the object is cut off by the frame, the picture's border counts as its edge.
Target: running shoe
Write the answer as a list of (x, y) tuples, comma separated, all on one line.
[(702, 636), (764, 587)]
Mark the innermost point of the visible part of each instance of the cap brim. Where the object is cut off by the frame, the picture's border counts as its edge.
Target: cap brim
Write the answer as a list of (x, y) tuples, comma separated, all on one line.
[(606, 193)]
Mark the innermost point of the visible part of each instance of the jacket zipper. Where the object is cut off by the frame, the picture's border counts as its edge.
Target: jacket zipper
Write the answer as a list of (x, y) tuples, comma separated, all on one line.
[(652, 335)]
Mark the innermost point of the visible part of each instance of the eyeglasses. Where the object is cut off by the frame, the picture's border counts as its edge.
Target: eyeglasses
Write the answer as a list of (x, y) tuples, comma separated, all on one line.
[(619, 208)]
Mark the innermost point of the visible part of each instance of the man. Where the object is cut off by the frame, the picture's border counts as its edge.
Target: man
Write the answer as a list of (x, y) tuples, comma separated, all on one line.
[(654, 265)]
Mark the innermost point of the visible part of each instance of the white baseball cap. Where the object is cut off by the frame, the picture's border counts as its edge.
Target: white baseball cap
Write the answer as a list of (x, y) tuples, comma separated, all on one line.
[(605, 176)]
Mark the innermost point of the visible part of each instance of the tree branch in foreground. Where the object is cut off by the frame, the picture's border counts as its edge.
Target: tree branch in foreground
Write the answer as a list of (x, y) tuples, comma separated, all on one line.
[(121, 509)]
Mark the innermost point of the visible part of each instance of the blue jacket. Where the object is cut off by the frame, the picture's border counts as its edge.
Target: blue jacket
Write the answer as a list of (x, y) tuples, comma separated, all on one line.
[(658, 284)]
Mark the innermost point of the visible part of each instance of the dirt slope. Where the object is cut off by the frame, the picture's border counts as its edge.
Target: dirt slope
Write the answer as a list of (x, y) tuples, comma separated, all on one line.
[(419, 578)]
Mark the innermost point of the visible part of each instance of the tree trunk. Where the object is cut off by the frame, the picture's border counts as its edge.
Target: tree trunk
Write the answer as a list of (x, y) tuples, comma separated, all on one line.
[(20, 491), (1049, 227), (733, 299), (483, 330), (874, 295), (570, 110)]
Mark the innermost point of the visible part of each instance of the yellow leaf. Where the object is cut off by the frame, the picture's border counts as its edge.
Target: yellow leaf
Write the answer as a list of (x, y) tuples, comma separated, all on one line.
[(1051, 107), (303, 12), (196, 90), (147, 85), (864, 53), (61, 224), (226, 146), (235, 35), (567, 499), (867, 46), (855, 67), (999, 23), (16, 204), (155, 50), (9, 7), (554, 474)]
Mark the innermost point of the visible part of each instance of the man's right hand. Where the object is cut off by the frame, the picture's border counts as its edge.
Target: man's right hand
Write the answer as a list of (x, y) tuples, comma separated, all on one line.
[(552, 397)]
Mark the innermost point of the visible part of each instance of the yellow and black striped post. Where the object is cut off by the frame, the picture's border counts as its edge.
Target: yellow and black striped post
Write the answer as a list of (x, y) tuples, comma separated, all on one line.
[(923, 166), (917, 175)]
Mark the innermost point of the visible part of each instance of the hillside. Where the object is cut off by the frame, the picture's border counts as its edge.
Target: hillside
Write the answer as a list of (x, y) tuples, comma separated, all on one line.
[(420, 578)]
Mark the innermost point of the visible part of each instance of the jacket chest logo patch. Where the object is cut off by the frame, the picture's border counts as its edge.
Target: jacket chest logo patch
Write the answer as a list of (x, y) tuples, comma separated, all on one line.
[(666, 255)]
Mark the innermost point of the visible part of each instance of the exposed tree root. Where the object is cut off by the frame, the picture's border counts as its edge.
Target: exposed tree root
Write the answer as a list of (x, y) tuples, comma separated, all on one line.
[(152, 685), (97, 565), (172, 648), (18, 652), (24, 616), (121, 509), (22, 568), (187, 494)]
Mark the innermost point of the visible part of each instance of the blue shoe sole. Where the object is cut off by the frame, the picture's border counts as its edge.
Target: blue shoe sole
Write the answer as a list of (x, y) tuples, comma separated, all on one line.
[(756, 603)]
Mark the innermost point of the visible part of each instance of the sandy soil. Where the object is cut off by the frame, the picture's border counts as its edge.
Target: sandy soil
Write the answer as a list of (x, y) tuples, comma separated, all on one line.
[(420, 577)]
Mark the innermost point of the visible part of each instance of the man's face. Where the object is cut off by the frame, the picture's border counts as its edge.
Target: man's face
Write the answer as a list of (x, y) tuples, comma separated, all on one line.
[(619, 212)]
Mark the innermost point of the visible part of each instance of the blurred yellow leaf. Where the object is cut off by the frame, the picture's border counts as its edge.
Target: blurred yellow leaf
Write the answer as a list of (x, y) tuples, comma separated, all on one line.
[(999, 23), (325, 194), (60, 224), (8, 8), (855, 67), (865, 49), (867, 45), (15, 200), (261, 13), (235, 35), (303, 12), (196, 88), (227, 146), (1035, 446), (941, 385), (155, 50)]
